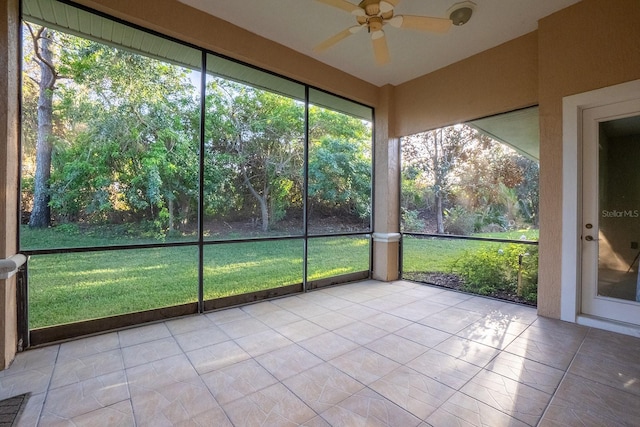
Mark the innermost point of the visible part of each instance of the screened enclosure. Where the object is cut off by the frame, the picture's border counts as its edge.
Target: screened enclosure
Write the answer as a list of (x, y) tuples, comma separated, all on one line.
[(159, 179)]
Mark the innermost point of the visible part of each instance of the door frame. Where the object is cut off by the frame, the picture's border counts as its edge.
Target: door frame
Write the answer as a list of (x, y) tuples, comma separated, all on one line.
[(572, 108)]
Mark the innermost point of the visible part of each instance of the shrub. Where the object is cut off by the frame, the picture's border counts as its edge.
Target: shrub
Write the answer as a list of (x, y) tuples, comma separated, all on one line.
[(483, 270), (490, 270), (490, 219), (411, 221), (68, 228), (458, 221)]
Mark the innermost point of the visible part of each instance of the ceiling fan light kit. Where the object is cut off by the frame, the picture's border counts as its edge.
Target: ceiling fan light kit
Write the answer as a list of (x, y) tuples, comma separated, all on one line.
[(460, 13), (375, 14)]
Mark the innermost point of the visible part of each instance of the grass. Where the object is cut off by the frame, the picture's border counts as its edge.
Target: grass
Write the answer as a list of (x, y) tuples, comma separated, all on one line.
[(486, 268), (72, 236), (73, 287), (439, 254)]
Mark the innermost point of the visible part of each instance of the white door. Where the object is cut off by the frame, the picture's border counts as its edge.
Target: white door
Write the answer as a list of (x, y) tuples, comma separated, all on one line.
[(611, 211)]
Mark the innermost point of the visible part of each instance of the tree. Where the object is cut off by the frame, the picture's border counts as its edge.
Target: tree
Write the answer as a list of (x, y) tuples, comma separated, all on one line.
[(130, 146), (528, 191), (127, 146), (339, 164), (263, 133), (435, 154), (340, 176), (474, 179), (42, 40)]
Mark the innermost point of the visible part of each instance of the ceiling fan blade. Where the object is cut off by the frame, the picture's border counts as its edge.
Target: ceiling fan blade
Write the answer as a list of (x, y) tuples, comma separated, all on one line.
[(388, 5), (421, 23), (380, 48), (337, 38), (344, 5), (392, 3)]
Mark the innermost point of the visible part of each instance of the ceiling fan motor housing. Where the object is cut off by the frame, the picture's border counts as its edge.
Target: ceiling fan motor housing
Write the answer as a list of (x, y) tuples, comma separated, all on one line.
[(371, 7), (375, 23), (374, 16)]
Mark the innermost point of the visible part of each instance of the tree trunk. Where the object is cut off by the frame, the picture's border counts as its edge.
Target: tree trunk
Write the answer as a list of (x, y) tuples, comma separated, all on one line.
[(171, 214), (438, 183), (439, 216), (264, 209), (262, 200), (41, 213), (264, 206), (184, 210)]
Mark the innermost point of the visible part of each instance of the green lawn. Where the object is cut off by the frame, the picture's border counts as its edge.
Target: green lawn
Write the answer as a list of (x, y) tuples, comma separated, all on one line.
[(72, 287), (500, 269), (70, 236), (439, 254)]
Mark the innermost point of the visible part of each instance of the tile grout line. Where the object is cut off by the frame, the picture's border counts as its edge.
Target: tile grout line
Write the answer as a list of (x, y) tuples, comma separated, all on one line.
[(483, 368), (564, 375), (46, 392), (184, 353), (126, 378)]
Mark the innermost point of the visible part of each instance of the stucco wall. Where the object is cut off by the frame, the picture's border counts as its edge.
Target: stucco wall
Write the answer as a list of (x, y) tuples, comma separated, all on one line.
[(590, 45), (495, 81), (9, 60)]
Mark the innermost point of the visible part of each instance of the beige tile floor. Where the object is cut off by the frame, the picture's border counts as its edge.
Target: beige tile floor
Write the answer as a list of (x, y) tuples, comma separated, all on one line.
[(362, 354)]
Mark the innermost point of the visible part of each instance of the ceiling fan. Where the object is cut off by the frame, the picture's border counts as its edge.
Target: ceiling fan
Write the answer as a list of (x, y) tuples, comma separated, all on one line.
[(374, 15)]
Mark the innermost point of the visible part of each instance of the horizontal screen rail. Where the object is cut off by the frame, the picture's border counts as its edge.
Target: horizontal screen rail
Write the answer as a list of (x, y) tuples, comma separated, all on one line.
[(482, 239)]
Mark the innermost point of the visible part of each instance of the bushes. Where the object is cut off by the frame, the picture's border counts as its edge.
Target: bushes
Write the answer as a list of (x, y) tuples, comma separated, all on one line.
[(458, 221), (494, 271), (411, 221)]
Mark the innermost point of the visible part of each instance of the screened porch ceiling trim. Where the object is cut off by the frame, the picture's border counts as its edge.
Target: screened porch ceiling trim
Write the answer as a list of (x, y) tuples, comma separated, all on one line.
[(78, 22), (519, 130)]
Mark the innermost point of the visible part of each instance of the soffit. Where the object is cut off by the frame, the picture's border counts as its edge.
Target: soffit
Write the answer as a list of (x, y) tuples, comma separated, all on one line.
[(518, 129)]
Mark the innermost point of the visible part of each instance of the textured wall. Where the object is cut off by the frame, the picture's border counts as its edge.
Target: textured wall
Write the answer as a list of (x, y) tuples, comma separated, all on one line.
[(501, 79), (9, 60), (590, 45)]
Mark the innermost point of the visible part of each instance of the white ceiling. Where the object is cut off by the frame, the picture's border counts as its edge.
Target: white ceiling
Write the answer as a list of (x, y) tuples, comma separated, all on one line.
[(303, 24)]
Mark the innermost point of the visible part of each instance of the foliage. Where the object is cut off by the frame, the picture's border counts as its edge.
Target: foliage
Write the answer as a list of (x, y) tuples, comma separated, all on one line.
[(458, 221), (435, 154), (126, 146), (491, 216), (487, 271), (416, 194), (411, 221), (527, 192), (340, 177), (127, 149), (467, 182), (262, 133)]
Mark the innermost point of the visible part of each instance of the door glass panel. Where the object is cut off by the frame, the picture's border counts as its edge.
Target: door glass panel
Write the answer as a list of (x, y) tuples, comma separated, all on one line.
[(619, 202)]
